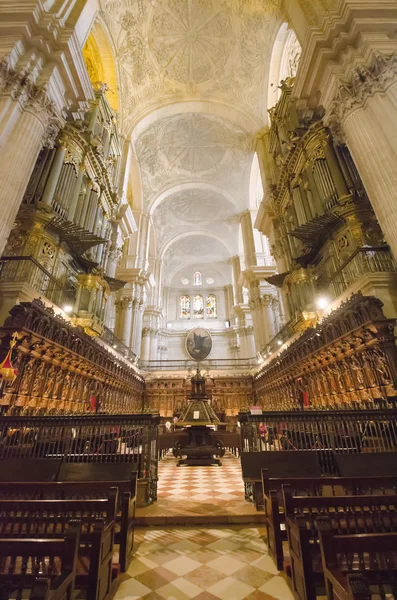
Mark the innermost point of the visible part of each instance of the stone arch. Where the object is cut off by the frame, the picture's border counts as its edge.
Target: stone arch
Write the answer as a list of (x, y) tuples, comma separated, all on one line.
[(201, 185), (217, 109), (196, 233), (283, 62), (98, 56)]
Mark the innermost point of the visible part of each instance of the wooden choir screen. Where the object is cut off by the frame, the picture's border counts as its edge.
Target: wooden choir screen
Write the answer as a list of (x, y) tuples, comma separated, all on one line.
[(63, 370), (349, 359)]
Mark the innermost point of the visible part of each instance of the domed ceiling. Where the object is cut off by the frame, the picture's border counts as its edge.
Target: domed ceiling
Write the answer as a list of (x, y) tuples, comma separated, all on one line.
[(193, 87)]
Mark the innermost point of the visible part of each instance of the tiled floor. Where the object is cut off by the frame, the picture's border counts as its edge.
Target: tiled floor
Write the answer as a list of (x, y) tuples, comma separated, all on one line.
[(202, 563), (200, 491)]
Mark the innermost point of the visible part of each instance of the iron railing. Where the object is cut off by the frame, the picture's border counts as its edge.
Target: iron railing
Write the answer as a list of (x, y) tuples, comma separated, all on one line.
[(92, 439), (189, 365), (344, 431), (26, 269), (109, 337), (376, 259)]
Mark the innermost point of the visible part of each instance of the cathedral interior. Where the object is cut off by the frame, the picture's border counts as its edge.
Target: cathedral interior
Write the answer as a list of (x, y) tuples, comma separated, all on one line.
[(198, 299)]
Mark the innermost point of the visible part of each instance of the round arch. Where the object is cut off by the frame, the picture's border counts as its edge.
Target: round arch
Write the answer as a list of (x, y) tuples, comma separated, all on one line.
[(201, 185), (196, 233), (99, 56), (217, 109), (283, 62)]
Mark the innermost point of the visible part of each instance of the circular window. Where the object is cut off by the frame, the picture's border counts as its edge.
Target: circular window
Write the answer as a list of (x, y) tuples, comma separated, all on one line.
[(184, 281), (209, 280)]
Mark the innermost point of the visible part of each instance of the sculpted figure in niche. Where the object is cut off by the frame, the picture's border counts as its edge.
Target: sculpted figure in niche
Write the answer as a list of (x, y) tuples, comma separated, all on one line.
[(27, 377), (381, 366), (358, 371)]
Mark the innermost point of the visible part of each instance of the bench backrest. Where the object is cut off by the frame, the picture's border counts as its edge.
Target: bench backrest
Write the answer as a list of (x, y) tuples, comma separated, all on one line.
[(29, 469), (45, 518), (330, 486), (356, 465), (279, 464), (97, 472), (61, 554), (376, 513), (368, 551)]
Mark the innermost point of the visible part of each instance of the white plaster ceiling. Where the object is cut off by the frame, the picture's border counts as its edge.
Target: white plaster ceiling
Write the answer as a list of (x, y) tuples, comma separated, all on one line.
[(194, 209), (193, 89), (194, 147), (168, 50)]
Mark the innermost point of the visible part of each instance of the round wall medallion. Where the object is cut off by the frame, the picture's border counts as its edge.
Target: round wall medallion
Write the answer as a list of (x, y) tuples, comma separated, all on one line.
[(198, 343)]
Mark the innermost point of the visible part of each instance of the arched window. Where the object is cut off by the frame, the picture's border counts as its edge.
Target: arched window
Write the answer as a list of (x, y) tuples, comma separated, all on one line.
[(211, 306), (197, 278), (198, 307), (184, 307)]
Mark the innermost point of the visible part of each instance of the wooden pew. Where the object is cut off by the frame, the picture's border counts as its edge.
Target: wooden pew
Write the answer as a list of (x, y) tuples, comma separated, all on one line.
[(276, 464), (90, 480), (52, 580), (356, 465), (50, 518), (125, 477), (353, 563), (29, 469), (309, 486), (347, 514)]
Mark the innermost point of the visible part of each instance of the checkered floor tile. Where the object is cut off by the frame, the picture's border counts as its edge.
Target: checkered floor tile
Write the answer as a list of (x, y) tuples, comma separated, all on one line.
[(211, 484), (197, 492), (202, 564)]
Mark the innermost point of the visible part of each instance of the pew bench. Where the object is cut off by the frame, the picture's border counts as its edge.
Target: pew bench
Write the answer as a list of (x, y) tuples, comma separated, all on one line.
[(102, 475), (40, 519), (311, 486), (85, 481), (357, 567), (304, 516), (276, 464), (46, 567)]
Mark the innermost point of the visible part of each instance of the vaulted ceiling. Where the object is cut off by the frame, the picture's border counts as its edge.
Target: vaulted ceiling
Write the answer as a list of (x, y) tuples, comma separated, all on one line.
[(193, 78)]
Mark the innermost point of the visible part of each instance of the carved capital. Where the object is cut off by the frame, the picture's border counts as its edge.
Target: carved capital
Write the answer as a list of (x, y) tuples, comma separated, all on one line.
[(123, 303), (364, 83)]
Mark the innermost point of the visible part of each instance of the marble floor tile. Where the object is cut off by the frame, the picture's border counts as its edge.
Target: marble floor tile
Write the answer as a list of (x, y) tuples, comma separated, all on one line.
[(196, 491), (201, 563), (181, 565), (231, 589), (225, 564)]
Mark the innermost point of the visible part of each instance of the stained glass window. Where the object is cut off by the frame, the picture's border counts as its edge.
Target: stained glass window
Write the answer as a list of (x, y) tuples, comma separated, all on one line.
[(197, 278), (184, 307), (211, 306), (198, 307)]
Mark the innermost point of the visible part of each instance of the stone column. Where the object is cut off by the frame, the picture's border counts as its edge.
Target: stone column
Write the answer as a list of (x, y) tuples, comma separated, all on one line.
[(153, 344), (145, 352), (267, 301), (238, 290), (248, 239), (124, 319), (21, 143), (360, 118)]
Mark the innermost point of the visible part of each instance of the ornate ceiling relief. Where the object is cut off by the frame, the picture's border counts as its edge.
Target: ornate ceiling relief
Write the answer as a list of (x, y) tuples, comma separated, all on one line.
[(191, 41), (213, 53), (194, 147), (172, 50), (193, 209)]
